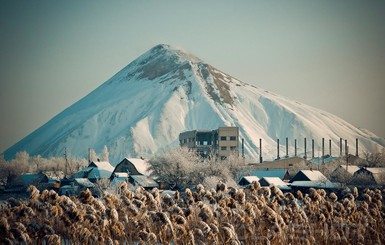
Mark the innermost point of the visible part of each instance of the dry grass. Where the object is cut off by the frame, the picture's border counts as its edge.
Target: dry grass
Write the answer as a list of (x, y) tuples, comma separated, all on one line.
[(226, 215)]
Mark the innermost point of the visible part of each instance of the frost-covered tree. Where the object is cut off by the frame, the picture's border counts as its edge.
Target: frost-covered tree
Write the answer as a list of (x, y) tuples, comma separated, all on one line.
[(105, 154), (181, 168), (376, 159), (93, 155), (174, 167)]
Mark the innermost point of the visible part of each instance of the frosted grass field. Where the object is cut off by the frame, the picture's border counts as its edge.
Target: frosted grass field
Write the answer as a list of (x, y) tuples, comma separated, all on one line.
[(254, 215)]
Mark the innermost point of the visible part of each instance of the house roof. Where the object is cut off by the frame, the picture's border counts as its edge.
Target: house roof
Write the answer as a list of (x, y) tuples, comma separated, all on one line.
[(316, 184), (117, 181), (378, 174), (54, 175), (280, 173), (121, 175), (351, 168), (141, 165), (30, 178), (250, 179), (83, 173), (144, 181), (102, 165), (313, 175), (376, 170), (95, 170), (84, 182), (274, 181)]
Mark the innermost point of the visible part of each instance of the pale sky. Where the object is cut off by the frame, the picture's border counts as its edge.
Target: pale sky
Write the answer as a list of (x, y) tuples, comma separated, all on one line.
[(327, 54)]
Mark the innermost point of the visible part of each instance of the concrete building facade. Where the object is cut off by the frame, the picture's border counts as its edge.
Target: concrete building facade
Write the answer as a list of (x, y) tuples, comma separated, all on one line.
[(221, 142)]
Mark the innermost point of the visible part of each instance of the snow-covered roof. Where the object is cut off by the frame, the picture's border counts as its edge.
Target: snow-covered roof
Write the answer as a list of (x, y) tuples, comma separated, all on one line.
[(274, 181), (84, 182), (121, 175), (314, 175), (56, 175), (250, 179), (83, 173), (97, 173), (102, 165), (351, 168), (100, 170), (144, 181), (376, 170), (316, 184), (141, 165), (95, 170)]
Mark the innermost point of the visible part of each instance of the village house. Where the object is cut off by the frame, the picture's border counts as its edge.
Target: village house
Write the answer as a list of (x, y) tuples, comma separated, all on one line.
[(247, 180), (282, 174), (370, 176), (95, 171), (274, 181), (134, 171)]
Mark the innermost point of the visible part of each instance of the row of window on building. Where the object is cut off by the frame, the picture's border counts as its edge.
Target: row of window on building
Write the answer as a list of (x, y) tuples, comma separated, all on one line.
[(223, 138)]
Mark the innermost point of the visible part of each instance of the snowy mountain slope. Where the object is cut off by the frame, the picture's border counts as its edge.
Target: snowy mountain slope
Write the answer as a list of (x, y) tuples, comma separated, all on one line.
[(166, 91)]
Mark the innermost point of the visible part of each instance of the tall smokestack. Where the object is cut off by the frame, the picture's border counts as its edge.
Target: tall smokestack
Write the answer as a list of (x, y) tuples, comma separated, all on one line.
[(356, 147), (323, 149), (278, 149), (305, 156), (243, 148), (260, 151), (295, 147), (340, 147), (346, 151), (312, 148), (287, 147), (330, 147)]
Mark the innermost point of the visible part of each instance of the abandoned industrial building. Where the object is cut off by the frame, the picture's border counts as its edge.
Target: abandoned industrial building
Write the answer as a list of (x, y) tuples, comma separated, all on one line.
[(221, 142)]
